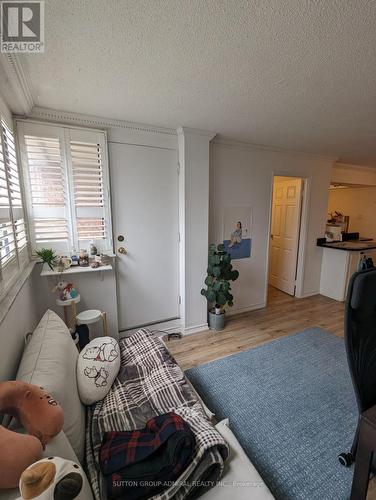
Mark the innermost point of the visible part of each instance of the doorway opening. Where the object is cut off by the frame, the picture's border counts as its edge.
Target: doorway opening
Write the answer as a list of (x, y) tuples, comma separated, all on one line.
[(285, 232)]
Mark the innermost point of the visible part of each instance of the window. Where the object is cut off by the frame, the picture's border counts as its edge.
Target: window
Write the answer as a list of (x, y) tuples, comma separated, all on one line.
[(14, 252), (67, 187)]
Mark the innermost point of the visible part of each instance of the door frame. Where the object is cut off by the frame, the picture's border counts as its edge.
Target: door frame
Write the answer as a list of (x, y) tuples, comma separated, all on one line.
[(303, 232)]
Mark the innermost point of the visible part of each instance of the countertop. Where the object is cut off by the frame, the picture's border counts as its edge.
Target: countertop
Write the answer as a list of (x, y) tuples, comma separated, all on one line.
[(351, 245)]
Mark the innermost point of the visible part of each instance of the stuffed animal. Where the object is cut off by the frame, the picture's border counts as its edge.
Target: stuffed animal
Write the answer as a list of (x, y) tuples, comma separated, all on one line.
[(17, 451), (52, 478), (38, 412), (66, 290)]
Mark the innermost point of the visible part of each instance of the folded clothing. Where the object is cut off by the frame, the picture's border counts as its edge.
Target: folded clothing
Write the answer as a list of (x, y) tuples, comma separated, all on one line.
[(141, 463)]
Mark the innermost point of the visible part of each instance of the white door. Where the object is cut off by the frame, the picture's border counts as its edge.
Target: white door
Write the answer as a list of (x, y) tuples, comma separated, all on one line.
[(285, 234), (144, 183)]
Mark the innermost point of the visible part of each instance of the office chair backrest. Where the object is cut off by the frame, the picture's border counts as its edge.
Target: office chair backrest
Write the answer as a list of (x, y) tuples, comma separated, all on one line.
[(360, 336)]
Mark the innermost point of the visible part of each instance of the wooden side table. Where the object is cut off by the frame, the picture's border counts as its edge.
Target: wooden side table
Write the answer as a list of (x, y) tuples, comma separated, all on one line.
[(72, 304), (92, 316), (364, 454)]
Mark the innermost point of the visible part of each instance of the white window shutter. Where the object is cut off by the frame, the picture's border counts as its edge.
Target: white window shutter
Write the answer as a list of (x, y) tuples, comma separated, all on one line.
[(67, 184), (13, 241), (89, 181), (47, 189)]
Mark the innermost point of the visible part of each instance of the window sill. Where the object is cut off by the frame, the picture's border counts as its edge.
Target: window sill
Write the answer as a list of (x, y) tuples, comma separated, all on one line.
[(9, 296)]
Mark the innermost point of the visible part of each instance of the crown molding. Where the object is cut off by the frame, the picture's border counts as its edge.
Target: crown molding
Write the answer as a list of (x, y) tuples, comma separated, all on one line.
[(17, 93), (196, 131), (94, 121), (350, 166), (233, 144)]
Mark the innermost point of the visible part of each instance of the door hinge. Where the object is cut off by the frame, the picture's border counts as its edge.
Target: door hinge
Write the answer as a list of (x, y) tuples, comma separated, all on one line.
[(179, 299), (178, 168), (179, 238)]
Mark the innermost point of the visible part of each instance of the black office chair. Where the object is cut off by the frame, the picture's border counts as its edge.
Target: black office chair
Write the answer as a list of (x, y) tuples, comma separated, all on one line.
[(360, 340)]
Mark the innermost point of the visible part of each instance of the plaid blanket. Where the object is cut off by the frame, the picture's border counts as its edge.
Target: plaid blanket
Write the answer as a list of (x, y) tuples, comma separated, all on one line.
[(151, 383)]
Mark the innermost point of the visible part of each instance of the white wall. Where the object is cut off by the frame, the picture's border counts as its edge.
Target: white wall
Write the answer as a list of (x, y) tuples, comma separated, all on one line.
[(242, 176), (359, 204)]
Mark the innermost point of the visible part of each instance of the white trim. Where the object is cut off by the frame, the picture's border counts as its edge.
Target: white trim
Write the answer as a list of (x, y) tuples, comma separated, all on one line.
[(90, 121), (233, 144), (195, 131), (195, 329), (159, 329), (303, 236), (308, 294), (353, 167), (240, 310), (18, 80), (43, 123)]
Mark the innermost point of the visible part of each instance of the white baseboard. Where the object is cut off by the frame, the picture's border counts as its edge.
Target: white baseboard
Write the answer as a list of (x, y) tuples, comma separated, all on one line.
[(239, 310), (307, 294), (195, 329), (163, 328)]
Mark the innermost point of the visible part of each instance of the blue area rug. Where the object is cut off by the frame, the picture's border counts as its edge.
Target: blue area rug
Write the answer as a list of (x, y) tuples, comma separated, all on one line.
[(292, 407)]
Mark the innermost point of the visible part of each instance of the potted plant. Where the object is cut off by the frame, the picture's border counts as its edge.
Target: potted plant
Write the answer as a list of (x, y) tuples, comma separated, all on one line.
[(48, 256), (217, 291)]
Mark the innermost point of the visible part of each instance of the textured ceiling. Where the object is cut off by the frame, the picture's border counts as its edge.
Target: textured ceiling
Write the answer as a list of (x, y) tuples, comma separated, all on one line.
[(296, 74)]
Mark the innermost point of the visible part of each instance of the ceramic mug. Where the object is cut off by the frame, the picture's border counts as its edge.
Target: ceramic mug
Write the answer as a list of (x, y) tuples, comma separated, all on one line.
[(66, 261)]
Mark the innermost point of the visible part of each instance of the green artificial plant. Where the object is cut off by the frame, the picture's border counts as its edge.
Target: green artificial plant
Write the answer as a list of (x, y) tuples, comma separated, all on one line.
[(48, 256), (220, 273)]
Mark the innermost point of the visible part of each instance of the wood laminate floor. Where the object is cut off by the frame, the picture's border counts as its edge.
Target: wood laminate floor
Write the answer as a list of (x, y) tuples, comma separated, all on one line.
[(283, 316)]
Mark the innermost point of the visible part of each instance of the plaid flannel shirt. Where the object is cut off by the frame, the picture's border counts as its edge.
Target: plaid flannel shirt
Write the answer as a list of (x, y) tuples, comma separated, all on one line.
[(140, 463)]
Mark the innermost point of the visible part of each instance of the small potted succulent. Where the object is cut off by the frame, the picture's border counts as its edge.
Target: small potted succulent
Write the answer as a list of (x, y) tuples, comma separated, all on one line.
[(217, 291), (48, 256)]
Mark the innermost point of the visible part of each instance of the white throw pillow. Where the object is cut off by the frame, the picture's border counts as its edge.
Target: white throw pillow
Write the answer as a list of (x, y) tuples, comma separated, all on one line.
[(97, 367)]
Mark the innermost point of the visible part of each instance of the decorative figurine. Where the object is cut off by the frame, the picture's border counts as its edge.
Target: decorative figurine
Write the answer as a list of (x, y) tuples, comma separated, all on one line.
[(66, 290)]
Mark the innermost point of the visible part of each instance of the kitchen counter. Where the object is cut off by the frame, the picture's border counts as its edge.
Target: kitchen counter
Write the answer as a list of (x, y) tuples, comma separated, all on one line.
[(338, 267), (351, 245)]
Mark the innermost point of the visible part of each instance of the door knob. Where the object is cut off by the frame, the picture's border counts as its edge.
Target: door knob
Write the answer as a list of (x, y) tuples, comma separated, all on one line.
[(122, 250)]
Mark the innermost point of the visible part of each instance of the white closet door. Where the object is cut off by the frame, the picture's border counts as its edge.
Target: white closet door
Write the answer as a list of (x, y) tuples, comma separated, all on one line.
[(144, 184), (285, 234)]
